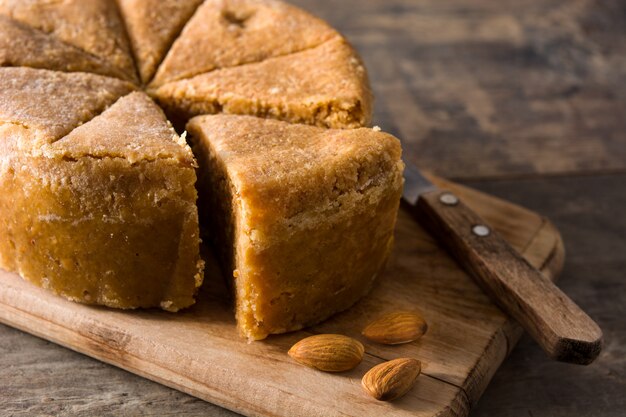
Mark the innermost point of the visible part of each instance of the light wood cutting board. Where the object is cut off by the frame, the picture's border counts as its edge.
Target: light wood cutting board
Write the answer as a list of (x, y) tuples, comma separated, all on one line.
[(199, 351)]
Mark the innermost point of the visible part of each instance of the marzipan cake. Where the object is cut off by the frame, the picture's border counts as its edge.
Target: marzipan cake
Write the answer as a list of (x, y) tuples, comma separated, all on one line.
[(304, 216), (97, 205), (98, 191)]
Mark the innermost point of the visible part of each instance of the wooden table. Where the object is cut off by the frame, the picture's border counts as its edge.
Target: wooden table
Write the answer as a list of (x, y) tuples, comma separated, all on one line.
[(524, 100)]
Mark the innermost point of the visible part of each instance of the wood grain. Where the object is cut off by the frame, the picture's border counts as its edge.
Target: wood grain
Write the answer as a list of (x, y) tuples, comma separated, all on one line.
[(551, 318), (493, 89), (552, 72), (588, 210), (199, 351)]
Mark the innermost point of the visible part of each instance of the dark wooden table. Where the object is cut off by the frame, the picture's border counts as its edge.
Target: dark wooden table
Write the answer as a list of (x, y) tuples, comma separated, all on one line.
[(522, 99)]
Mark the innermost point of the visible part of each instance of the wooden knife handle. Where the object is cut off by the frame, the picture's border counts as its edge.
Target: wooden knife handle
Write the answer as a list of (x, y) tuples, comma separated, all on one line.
[(562, 329)]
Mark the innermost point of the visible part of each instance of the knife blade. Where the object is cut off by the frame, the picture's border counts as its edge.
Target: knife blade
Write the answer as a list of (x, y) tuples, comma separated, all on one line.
[(562, 329)]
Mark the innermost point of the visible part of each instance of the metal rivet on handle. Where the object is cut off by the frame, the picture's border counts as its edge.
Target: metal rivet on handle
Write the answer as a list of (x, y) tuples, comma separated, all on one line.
[(481, 230), (449, 199)]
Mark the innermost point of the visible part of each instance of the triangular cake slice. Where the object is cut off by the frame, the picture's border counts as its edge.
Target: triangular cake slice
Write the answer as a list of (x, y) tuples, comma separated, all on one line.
[(107, 214), (50, 104), (38, 107), (94, 26), (23, 46), (134, 129), (152, 28), (303, 216), (324, 86), (227, 33)]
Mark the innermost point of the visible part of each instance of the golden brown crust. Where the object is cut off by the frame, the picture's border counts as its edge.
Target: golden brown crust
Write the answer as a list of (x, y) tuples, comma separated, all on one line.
[(309, 217), (50, 104), (93, 26), (227, 33), (107, 213), (103, 231), (152, 27), (307, 73), (21, 45), (98, 196), (325, 86), (134, 128)]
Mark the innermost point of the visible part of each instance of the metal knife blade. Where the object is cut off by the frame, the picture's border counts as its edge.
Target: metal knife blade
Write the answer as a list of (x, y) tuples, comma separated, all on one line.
[(415, 183)]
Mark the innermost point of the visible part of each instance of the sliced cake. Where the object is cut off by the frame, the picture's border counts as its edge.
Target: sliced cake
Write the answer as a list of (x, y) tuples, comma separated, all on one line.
[(303, 216), (98, 206), (152, 27), (38, 107), (227, 33), (93, 26), (325, 86)]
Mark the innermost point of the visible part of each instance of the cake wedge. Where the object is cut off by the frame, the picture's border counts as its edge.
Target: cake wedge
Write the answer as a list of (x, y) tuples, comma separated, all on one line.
[(324, 86), (302, 216), (97, 204)]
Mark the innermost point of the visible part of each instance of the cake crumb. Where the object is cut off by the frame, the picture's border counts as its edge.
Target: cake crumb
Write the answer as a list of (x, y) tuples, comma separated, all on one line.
[(376, 129)]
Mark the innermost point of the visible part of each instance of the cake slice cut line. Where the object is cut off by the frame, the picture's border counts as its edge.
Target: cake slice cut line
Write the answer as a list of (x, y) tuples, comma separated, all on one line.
[(45, 42), (33, 87), (97, 148), (335, 94), (236, 21), (133, 207), (152, 85), (303, 216), (59, 19), (82, 153), (147, 73)]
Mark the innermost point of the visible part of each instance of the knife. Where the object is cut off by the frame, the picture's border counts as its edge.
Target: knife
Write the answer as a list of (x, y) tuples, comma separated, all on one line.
[(553, 320)]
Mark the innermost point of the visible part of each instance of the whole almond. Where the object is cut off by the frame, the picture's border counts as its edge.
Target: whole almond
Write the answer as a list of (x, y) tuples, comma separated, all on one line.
[(396, 328), (328, 352), (391, 380)]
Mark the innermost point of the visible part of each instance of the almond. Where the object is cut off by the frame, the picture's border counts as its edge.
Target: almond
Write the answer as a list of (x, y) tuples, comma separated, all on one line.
[(328, 352), (395, 328), (391, 380)]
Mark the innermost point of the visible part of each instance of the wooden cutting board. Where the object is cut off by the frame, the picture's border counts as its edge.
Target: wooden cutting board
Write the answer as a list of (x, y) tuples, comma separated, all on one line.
[(199, 351)]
